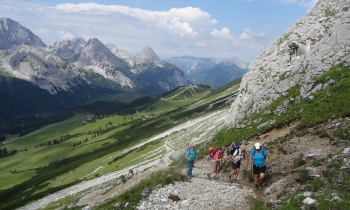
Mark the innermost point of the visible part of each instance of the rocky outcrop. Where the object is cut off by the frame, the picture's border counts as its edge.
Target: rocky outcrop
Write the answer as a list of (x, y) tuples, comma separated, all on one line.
[(322, 38)]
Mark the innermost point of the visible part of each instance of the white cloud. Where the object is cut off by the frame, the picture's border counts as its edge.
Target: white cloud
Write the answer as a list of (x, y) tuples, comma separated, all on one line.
[(249, 34), (175, 32), (187, 21), (66, 35), (224, 33)]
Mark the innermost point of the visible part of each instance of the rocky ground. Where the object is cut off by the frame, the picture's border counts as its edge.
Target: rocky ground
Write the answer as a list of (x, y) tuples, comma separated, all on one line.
[(291, 146), (199, 192)]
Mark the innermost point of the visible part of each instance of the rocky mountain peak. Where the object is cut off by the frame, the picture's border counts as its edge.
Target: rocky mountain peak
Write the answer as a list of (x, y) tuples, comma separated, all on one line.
[(95, 52), (144, 60), (146, 55), (13, 34), (309, 48), (98, 57)]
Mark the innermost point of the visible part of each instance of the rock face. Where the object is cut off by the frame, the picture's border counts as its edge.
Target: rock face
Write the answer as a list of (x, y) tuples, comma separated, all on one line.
[(47, 71), (13, 34), (322, 40), (95, 55), (68, 49)]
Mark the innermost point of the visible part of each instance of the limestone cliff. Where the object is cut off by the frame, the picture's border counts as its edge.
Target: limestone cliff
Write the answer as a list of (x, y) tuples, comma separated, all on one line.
[(309, 48)]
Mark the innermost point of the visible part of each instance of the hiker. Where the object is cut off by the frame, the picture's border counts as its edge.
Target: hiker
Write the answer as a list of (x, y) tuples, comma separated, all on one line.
[(191, 158), (233, 147), (217, 159), (236, 158), (122, 177), (259, 158), (130, 174)]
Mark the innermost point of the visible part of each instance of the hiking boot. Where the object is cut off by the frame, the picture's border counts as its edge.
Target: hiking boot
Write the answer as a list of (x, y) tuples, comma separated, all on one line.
[(260, 186), (256, 187), (208, 175)]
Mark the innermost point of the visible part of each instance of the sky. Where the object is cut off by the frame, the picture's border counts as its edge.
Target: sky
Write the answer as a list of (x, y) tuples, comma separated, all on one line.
[(172, 28)]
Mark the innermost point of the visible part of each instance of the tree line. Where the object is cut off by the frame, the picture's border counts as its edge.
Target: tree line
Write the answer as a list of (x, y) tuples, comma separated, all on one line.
[(5, 152)]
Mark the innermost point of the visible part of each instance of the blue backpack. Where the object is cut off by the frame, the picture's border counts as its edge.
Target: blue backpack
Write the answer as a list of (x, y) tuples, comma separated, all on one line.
[(263, 152), (234, 146)]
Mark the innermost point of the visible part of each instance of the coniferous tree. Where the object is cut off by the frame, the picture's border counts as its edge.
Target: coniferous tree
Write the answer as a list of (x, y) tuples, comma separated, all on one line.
[(5, 152)]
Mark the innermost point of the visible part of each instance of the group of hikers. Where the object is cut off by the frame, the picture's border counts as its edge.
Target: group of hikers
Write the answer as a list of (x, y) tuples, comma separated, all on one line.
[(130, 175), (258, 157)]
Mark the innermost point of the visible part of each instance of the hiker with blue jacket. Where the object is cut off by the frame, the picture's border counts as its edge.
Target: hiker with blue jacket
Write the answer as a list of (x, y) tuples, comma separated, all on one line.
[(191, 157), (259, 158)]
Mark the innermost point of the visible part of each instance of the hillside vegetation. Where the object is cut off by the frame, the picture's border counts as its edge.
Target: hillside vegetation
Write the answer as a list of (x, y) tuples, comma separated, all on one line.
[(88, 146)]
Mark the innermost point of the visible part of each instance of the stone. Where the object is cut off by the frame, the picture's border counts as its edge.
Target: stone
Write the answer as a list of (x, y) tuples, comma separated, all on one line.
[(309, 201), (346, 150), (273, 187)]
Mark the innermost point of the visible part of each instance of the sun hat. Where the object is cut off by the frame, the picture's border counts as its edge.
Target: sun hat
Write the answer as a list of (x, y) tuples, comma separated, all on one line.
[(257, 145)]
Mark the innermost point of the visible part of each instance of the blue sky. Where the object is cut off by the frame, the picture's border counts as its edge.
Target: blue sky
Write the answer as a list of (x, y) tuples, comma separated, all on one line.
[(200, 28)]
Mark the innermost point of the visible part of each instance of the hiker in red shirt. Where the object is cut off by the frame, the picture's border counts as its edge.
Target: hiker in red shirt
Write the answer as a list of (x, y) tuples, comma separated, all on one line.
[(217, 159)]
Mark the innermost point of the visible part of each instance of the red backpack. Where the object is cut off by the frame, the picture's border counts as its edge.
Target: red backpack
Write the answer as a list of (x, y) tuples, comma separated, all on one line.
[(212, 152)]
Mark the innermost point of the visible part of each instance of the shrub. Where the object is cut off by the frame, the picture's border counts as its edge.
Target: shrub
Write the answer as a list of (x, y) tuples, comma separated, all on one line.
[(315, 185), (298, 162), (303, 176)]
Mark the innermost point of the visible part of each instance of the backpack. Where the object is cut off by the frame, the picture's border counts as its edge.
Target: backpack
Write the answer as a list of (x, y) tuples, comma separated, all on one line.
[(212, 152), (234, 146), (263, 151), (240, 154)]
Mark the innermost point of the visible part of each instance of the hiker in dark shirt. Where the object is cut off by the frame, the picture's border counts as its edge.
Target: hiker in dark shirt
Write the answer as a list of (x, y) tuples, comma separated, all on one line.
[(236, 158)]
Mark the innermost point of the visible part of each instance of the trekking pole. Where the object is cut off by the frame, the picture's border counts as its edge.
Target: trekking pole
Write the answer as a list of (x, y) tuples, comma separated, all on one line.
[(252, 170), (268, 175)]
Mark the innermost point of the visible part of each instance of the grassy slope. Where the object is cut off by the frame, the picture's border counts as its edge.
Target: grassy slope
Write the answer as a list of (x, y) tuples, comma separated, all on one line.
[(332, 102), (85, 157)]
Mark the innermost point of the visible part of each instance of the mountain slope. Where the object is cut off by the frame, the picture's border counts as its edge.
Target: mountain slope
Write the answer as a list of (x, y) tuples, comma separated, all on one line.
[(49, 72), (322, 37), (97, 56), (13, 34)]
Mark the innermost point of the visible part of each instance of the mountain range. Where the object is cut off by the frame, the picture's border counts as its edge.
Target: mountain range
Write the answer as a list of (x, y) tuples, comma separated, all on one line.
[(210, 71), (77, 72)]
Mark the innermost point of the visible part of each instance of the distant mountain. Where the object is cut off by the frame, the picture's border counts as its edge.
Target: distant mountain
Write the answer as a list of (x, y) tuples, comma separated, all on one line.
[(218, 75), (68, 49), (48, 71), (154, 73), (96, 56), (13, 34), (73, 73), (210, 71)]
